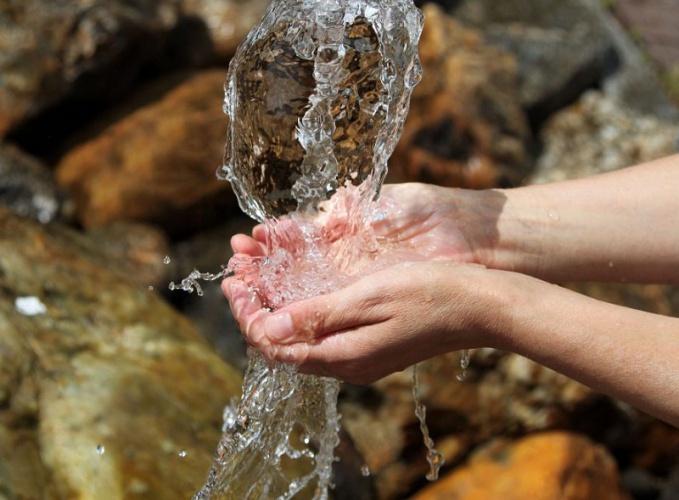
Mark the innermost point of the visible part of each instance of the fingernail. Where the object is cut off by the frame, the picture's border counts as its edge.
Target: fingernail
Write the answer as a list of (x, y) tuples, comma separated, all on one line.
[(278, 326)]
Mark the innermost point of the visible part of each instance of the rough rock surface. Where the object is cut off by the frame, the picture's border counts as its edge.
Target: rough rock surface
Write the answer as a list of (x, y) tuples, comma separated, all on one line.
[(547, 466), (28, 188), (596, 135), (465, 126), (561, 52), (229, 21), (158, 164), (79, 49), (105, 392)]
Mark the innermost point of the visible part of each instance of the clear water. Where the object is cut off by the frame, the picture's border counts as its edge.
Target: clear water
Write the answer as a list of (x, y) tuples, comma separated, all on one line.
[(316, 98)]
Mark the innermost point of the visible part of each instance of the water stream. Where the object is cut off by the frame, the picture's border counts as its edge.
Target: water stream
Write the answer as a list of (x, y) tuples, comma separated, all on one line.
[(316, 97)]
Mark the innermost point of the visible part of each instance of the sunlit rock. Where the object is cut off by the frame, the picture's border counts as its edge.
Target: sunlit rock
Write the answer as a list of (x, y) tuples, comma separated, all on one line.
[(103, 390), (466, 127), (157, 164)]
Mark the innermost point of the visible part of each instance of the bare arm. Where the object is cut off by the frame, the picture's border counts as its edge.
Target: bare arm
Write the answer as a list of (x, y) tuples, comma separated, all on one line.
[(621, 226)]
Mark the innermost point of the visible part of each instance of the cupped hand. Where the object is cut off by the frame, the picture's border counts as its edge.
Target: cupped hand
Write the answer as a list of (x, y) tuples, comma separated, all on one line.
[(430, 221), (383, 323)]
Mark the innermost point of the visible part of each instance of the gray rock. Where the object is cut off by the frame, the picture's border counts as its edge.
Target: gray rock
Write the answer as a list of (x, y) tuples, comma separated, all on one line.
[(105, 391), (598, 135), (561, 48), (28, 188), (85, 50)]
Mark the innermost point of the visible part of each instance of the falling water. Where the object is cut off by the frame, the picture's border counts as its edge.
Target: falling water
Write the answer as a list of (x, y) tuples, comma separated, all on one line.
[(316, 97)]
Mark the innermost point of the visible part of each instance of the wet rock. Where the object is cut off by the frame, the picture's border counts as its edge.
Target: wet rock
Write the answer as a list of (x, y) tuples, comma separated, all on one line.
[(542, 466), (503, 393), (157, 164), (105, 391), (87, 51), (597, 135), (28, 188), (562, 49), (229, 21), (465, 126)]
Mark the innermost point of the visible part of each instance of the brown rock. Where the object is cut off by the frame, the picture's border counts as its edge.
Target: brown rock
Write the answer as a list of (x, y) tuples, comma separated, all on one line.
[(156, 165), (228, 21), (465, 126), (80, 49), (549, 466), (105, 391)]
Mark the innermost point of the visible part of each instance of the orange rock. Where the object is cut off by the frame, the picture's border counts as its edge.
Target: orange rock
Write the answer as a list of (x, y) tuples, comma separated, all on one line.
[(466, 126), (545, 466), (157, 164)]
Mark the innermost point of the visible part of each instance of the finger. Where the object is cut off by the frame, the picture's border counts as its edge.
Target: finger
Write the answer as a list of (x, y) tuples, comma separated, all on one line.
[(241, 243), (260, 232), (313, 318), (248, 312)]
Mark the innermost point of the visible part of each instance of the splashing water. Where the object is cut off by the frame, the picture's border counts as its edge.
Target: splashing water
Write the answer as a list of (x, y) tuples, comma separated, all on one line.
[(316, 97)]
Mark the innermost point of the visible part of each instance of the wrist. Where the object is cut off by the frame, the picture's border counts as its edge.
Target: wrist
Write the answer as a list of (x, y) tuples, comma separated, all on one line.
[(507, 229)]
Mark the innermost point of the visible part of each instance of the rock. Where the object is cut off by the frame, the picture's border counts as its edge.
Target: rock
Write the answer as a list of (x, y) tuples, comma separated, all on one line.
[(87, 51), (156, 165), (597, 135), (134, 249), (465, 126), (105, 391), (562, 49), (549, 466), (229, 21), (28, 188)]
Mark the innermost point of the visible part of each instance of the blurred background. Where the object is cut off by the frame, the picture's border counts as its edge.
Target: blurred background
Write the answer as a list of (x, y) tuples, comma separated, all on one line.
[(111, 130)]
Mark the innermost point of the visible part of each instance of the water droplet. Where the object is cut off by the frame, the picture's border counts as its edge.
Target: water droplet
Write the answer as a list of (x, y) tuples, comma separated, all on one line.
[(365, 471), (167, 260), (150, 288), (554, 215), (101, 449), (172, 286), (182, 453)]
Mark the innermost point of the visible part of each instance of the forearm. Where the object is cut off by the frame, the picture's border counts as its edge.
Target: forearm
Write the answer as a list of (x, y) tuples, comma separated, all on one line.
[(621, 226), (625, 353)]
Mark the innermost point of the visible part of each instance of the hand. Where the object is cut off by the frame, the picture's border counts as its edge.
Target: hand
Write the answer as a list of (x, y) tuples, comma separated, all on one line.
[(434, 222), (383, 323)]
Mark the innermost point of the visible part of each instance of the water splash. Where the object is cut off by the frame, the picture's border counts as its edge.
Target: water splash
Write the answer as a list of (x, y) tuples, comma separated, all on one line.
[(316, 97), (434, 457)]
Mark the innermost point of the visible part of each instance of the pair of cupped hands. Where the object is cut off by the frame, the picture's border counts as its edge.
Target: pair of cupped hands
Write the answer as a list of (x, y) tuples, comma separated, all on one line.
[(397, 316)]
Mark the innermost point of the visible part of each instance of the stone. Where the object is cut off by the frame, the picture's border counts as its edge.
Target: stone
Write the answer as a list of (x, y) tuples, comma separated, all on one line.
[(465, 126), (82, 50), (597, 135), (562, 49), (105, 391), (544, 466), (28, 188), (228, 21), (156, 165)]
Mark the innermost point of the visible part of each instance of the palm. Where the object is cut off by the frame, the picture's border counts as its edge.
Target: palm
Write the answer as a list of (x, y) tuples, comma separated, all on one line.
[(423, 220), (419, 222)]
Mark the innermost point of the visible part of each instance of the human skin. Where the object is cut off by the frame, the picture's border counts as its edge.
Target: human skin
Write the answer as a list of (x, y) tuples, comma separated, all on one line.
[(490, 260)]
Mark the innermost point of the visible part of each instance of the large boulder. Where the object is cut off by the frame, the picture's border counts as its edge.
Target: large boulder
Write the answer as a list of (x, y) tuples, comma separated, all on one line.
[(157, 164), (465, 126), (105, 391), (83, 50), (545, 466)]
